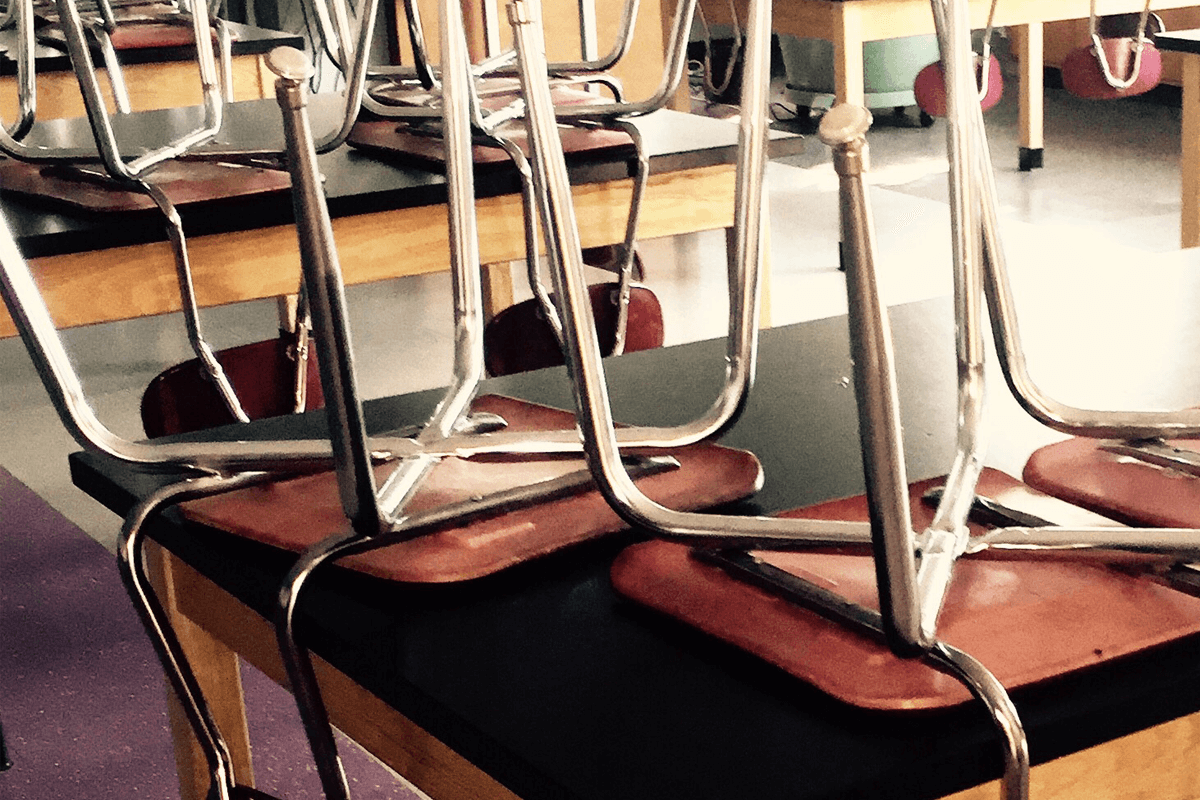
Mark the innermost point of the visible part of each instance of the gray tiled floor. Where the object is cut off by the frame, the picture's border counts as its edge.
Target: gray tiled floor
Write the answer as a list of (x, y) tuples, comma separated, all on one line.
[(1110, 185)]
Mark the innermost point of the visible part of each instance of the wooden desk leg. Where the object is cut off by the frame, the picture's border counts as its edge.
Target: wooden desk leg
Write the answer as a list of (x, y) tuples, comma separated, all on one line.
[(1190, 161), (497, 288), (217, 670), (764, 311), (1032, 97), (287, 309)]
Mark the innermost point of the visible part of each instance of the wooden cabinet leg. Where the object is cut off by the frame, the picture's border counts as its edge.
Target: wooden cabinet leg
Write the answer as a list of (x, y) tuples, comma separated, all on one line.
[(1190, 160), (848, 76), (764, 311), (1031, 112)]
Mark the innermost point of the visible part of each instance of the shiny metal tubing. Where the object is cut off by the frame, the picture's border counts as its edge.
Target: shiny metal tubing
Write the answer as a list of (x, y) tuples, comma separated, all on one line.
[(1014, 783), (191, 310), (112, 69), (416, 37), (1103, 424), (673, 69), (947, 535), (588, 43), (26, 67), (466, 281), (1118, 544), (641, 177), (530, 215), (1157, 452), (298, 660), (344, 408), (1092, 423), (333, 29), (584, 363), (225, 52), (132, 172), (36, 327), (968, 671), (844, 129), (356, 79), (1138, 46), (326, 297), (297, 657), (106, 142), (499, 63), (529, 202), (131, 560)]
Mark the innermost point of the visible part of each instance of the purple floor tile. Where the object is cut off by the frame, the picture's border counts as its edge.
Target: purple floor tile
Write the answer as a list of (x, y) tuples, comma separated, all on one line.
[(82, 695)]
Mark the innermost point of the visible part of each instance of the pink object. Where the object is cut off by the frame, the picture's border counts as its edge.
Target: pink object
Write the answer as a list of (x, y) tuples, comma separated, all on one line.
[(1026, 621), (930, 87), (1083, 77)]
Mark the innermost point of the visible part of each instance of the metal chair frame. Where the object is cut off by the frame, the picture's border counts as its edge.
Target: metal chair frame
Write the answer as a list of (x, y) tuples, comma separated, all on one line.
[(376, 513), (914, 570)]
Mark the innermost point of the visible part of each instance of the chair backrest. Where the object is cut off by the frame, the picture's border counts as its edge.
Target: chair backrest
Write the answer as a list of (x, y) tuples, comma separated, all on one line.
[(183, 399), (520, 338)]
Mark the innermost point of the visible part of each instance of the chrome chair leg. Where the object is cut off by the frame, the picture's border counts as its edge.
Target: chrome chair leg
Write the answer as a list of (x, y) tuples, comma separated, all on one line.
[(131, 553)]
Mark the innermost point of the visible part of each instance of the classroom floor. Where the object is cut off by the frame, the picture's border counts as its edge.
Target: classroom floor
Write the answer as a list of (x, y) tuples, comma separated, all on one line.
[(1109, 191)]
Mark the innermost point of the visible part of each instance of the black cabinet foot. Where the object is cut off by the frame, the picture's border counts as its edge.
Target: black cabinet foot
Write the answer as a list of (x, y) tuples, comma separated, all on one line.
[(1029, 158)]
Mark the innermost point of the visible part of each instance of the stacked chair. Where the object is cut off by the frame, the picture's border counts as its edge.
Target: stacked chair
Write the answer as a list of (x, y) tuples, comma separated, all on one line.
[(528, 335), (390, 515), (208, 466), (540, 461), (914, 569), (200, 393)]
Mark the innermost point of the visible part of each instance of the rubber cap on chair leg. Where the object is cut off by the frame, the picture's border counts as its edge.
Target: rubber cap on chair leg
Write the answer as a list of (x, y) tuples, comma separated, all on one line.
[(1029, 158)]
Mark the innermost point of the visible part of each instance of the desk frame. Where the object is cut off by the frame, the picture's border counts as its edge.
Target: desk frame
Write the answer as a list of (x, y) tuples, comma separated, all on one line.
[(215, 629), (1122, 731), (91, 287)]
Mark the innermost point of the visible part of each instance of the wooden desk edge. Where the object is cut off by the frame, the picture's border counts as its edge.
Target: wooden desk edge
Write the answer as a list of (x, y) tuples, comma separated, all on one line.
[(371, 247), (214, 623), (1158, 761)]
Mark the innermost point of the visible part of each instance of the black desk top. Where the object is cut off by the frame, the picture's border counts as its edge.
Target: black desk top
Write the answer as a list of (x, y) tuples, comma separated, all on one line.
[(355, 182), (248, 40), (555, 686), (1178, 41)]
